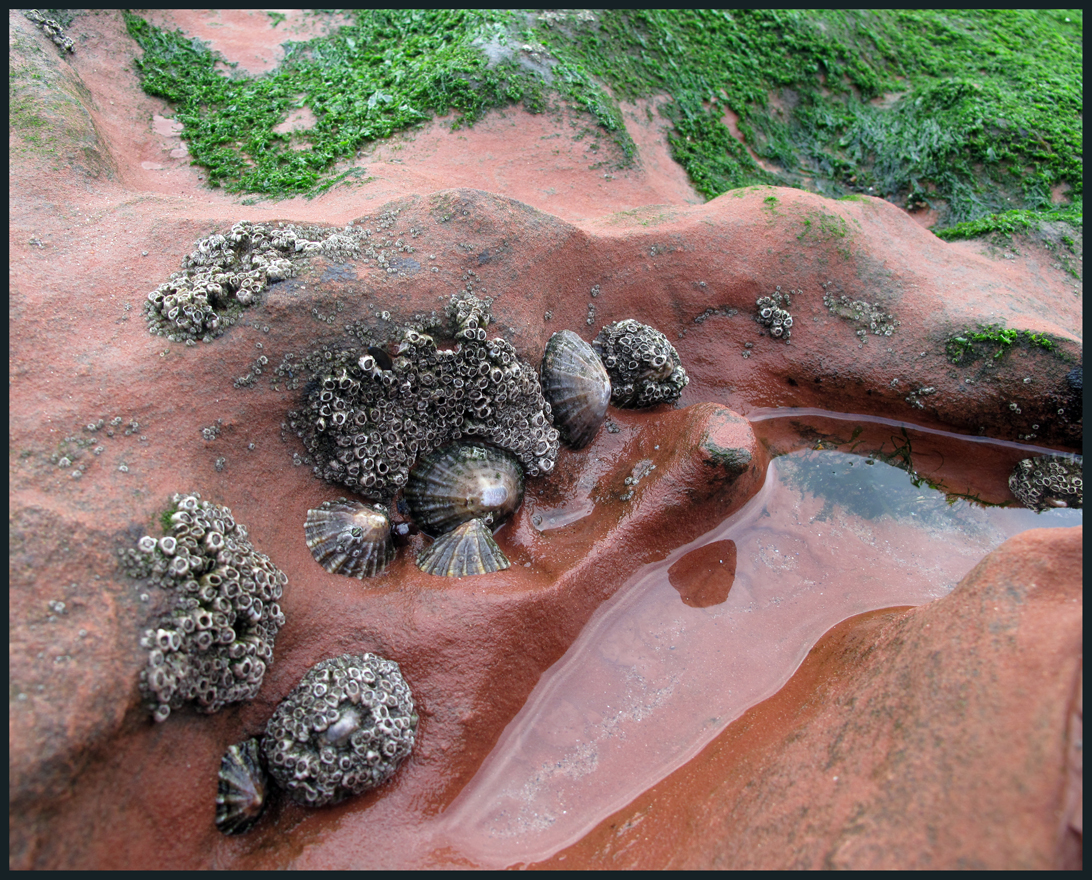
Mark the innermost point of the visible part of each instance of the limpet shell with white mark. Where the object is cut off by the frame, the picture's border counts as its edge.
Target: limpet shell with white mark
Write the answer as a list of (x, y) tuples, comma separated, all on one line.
[(577, 386), (463, 481), (350, 538), (466, 550), (241, 794)]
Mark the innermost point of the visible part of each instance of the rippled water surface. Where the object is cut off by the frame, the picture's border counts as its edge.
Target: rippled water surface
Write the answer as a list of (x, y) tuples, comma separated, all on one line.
[(690, 643)]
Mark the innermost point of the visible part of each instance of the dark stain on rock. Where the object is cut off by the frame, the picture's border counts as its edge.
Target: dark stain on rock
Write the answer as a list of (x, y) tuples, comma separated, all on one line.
[(734, 462), (405, 265), (704, 576), (343, 272)]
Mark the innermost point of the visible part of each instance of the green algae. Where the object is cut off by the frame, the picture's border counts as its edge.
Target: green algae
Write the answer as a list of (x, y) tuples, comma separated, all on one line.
[(974, 113), (993, 340)]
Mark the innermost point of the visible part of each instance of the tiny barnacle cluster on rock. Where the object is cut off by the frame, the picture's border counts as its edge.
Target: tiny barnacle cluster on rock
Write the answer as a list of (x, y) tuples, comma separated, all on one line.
[(914, 398), (643, 366), (773, 312), (52, 29), (344, 730), (869, 316), (226, 273), (215, 644), (1048, 482), (369, 414)]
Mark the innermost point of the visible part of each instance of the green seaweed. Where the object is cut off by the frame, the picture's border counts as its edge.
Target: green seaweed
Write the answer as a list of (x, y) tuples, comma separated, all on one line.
[(386, 72), (165, 518), (1010, 223), (993, 340), (974, 113)]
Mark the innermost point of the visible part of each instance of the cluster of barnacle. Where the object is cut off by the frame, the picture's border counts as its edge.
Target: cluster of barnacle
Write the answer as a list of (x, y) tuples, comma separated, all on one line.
[(869, 315), (773, 312), (462, 473), (226, 273), (643, 366), (214, 646), (343, 730), (1048, 482), (52, 29), (368, 417)]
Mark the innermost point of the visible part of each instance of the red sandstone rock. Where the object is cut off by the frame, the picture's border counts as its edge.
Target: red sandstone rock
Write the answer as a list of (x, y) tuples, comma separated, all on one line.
[(938, 737), (92, 783)]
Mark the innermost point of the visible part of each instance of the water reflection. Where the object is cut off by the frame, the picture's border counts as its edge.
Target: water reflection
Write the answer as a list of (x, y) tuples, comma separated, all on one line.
[(651, 680)]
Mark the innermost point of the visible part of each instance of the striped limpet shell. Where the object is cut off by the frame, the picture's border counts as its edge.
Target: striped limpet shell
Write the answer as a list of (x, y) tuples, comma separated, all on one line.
[(463, 481), (350, 538), (466, 550)]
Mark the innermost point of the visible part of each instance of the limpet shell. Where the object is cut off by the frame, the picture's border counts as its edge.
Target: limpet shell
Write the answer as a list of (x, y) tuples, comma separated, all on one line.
[(463, 481), (577, 386), (350, 538), (241, 794), (468, 549)]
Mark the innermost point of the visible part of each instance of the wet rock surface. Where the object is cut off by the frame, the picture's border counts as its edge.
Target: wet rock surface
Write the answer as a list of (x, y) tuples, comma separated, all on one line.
[(938, 737), (107, 422)]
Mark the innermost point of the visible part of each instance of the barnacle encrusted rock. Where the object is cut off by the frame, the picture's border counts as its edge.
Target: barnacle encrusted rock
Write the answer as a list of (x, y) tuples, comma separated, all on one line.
[(870, 316), (1048, 482), (226, 273), (344, 729), (52, 29), (215, 645), (643, 366), (773, 312), (365, 421)]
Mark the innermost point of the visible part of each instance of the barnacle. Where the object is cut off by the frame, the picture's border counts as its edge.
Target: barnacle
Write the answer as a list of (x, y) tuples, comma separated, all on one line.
[(868, 315), (643, 366), (343, 730), (226, 273), (369, 414), (773, 313), (1049, 481), (52, 29), (213, 648)]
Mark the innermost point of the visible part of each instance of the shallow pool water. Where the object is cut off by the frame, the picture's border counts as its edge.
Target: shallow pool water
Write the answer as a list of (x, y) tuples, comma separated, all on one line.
[(690, 643)]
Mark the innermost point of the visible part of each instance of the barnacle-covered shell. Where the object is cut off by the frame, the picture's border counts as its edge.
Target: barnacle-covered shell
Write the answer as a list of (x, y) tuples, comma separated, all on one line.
[(643, 366), (1048, 482), (468, 549), (350, 538), (577, 386), (215, 644), (241, 795), (463, 481), (344, 729)]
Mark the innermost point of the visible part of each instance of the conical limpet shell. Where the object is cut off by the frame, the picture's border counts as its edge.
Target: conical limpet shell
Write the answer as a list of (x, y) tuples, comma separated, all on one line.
[(577, 386), (241, 794), (463, 481), (350, 538), (468, 549)]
